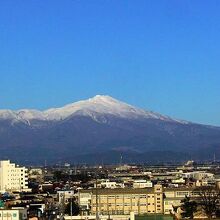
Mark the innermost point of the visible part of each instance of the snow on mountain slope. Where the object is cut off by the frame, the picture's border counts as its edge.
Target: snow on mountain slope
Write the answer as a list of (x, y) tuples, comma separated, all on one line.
[(102, 105), (7, 114), (30, 114), (97, 105), (24, 115)]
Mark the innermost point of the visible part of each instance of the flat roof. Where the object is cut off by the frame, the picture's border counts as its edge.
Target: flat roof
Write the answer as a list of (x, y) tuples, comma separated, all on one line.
[(119, 191)]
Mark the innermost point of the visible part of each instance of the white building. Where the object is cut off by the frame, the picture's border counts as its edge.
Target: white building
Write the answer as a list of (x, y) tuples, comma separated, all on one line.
[(65, 195), (12, 177), (198, 175), (13, 214), (142, 184), (109, 184), (84, 200)]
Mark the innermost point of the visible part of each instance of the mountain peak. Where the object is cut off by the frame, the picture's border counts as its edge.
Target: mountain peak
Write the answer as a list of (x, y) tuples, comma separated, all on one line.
[(92, 107), (99, 104), (103, 98), (104, 105)]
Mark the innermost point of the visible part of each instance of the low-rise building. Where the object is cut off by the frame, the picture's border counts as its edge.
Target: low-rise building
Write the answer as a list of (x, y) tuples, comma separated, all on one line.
[(123, 201), (142, 184), (13, 214), (198, 175), (108, 184), (65, 195)]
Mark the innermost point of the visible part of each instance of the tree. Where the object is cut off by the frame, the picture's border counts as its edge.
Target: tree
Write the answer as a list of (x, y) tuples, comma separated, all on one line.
[(75, 207), (209, 200), (189, 207)]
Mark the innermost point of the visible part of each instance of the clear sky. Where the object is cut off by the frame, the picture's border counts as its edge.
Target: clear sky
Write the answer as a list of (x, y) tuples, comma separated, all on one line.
[(161, 55)]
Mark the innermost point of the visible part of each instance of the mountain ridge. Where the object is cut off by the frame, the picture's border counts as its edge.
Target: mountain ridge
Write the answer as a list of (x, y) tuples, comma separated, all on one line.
[(99, 125), (99, 104)]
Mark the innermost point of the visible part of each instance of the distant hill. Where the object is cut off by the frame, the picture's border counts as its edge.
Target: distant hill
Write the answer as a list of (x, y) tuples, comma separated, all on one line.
[(102, 128)]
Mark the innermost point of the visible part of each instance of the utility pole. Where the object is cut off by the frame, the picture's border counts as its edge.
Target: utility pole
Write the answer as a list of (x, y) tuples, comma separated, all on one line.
[(71, 207), (96, 196), (121, 157), (62, 207)]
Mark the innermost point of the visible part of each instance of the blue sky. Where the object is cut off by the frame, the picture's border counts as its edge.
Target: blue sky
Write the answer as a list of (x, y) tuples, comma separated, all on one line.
[(155, 54)]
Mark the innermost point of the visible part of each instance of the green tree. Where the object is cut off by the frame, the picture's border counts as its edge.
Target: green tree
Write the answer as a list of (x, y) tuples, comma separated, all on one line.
[(75, 207), (189, 207), (209, 200)]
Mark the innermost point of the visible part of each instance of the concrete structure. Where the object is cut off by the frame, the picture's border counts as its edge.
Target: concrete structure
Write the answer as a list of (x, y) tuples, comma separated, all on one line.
[(174, 196), (64, 195), (170, 203), (108, 184), (12, 177), (198, 175), (13, 214), (123, 201), (131, 216), (142, 184)]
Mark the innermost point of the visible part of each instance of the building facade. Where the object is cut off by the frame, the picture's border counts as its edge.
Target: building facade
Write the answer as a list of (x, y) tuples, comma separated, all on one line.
[(12, 177), (123, 201), (13, 214)]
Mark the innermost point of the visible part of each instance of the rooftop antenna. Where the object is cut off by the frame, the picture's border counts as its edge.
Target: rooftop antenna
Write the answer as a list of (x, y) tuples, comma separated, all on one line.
[(214, 159)]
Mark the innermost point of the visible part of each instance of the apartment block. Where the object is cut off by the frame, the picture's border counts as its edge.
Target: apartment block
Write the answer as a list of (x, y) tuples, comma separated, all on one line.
[(12, 177)]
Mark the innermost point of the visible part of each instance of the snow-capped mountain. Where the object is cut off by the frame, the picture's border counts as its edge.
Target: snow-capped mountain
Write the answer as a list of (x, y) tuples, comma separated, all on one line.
[(98, 126), (100, 104)]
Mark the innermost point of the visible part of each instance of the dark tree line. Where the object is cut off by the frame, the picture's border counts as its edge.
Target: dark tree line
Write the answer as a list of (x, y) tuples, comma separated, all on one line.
[(207, 199), (72, 208)]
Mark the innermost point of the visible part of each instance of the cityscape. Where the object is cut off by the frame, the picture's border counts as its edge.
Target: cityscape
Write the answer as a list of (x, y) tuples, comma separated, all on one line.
[(109, 110), (121, 191)]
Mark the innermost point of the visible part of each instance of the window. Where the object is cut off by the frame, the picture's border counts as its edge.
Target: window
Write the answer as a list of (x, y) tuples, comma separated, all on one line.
[(111, 197), (143, 196), (182, 193)]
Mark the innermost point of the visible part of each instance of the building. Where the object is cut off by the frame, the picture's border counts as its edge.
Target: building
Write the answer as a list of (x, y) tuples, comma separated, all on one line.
[(65, 195), (173, 197), (123, 201), (14, 214), (142, 184), (198, 175), (108, 184), (12, 177)]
